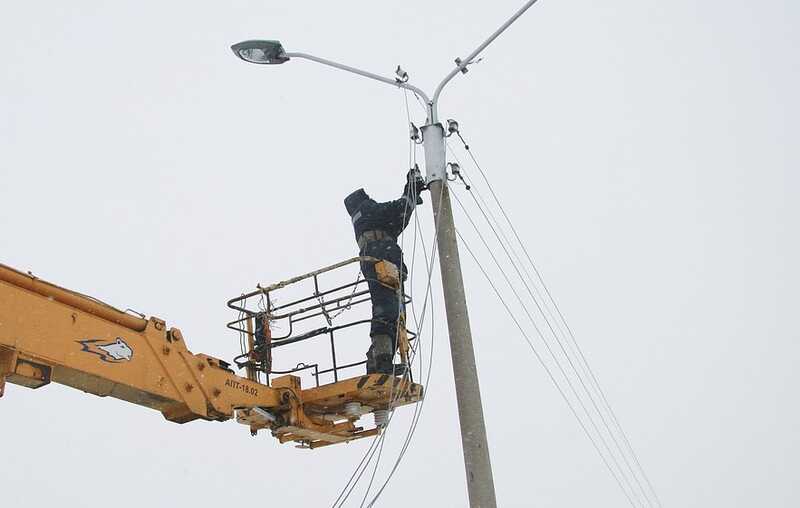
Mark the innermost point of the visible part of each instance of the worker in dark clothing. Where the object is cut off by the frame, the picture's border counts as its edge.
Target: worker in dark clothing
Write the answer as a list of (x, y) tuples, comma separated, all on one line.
[(377, 226)]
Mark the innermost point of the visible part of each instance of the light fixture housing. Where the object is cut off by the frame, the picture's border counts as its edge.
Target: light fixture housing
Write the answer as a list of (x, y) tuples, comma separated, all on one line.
[(260, 52)]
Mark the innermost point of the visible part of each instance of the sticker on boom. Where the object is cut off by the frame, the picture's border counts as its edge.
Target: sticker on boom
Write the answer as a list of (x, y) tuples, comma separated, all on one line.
[(249, 390), (117, 351)]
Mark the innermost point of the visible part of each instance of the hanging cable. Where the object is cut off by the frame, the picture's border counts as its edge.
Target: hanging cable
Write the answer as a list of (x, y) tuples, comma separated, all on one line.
[(352, 476), (378, 442), (400, 311), (419, 406), (410, 433), (544, 366), (419, 325), (561, 368), (429, 266), (476, 193), (555, 335), (574, 345), (375, 469)]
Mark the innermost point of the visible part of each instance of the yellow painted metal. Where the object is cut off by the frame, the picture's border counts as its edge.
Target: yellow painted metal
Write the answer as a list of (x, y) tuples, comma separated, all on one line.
[(48, 333), (251, 373), (8, 362), (319, 416), (375, 390), (80, 302), (160, 373)]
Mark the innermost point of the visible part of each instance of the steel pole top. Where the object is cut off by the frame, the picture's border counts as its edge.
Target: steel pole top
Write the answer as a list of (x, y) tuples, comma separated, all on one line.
[(272, 52)]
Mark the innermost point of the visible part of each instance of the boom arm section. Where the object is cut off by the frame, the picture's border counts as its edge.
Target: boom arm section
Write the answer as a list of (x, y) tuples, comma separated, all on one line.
[(48, 333)]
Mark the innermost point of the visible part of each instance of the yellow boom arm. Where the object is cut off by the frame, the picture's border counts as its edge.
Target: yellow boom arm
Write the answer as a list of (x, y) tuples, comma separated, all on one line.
[(48, 333)]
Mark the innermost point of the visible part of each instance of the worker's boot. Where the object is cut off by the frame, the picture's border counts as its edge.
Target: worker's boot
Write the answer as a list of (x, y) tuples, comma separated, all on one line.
[(372, 366), (380, 357), (384, 365)]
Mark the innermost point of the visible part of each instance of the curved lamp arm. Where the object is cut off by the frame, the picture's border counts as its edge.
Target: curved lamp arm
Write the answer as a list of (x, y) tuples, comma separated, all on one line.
[(462, 66), (366, 74)]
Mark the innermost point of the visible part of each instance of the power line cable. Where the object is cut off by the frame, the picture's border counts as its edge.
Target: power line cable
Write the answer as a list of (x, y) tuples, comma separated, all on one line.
[(418, 407), (476, 192), (567, 377), (593, 402), (545, 367), (583, 361), (419, 324), (412, 158), (357, 474), (352, 476)]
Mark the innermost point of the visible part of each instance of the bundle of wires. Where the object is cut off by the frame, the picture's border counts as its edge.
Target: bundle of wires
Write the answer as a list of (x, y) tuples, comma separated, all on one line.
[(564, 362), (372, 457), (573, 377)]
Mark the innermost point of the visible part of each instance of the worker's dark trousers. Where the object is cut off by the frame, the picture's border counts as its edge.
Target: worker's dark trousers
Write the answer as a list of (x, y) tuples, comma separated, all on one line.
[(386, 309)]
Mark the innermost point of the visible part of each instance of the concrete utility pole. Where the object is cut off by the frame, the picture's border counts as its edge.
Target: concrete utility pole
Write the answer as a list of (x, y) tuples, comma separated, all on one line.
[(480, 482)]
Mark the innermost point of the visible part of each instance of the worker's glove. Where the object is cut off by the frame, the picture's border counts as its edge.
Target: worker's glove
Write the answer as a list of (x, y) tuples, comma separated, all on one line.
[(415, 184)]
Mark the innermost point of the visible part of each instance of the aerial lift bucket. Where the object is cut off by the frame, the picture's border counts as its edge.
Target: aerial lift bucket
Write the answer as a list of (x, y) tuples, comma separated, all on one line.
[(325, 413)]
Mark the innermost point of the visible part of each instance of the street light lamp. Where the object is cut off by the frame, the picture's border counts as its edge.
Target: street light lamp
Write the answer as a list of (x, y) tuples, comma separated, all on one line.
[(260, 52), (272, 52), (480, 483)]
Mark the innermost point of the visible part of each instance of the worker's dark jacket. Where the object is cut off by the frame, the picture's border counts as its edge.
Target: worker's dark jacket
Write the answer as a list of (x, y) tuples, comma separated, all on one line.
[(377, 226)]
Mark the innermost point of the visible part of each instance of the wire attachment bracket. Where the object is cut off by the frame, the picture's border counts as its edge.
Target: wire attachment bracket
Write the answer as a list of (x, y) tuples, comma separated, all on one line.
[(455, 169), (414, 134), (402, 76)]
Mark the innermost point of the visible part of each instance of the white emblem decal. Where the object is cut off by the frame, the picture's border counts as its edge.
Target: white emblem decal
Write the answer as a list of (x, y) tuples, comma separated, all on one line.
[(111, 352)]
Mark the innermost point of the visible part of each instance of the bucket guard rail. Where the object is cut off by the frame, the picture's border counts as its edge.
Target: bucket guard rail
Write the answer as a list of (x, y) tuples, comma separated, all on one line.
[(258, 310)]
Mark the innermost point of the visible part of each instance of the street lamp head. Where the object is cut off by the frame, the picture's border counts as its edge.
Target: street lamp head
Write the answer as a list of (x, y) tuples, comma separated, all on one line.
[(260, 52)]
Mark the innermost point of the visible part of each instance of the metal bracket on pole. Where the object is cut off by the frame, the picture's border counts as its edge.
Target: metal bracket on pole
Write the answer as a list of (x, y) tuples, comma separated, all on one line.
[(433, 142)]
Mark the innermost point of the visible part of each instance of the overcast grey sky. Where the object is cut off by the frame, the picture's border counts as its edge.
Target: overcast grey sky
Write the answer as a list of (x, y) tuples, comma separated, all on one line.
[(646, 150)]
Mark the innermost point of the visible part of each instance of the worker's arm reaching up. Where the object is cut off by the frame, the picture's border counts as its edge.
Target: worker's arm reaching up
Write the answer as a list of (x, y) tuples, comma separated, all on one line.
[(415, 184), (391, 217), (400, 210)]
